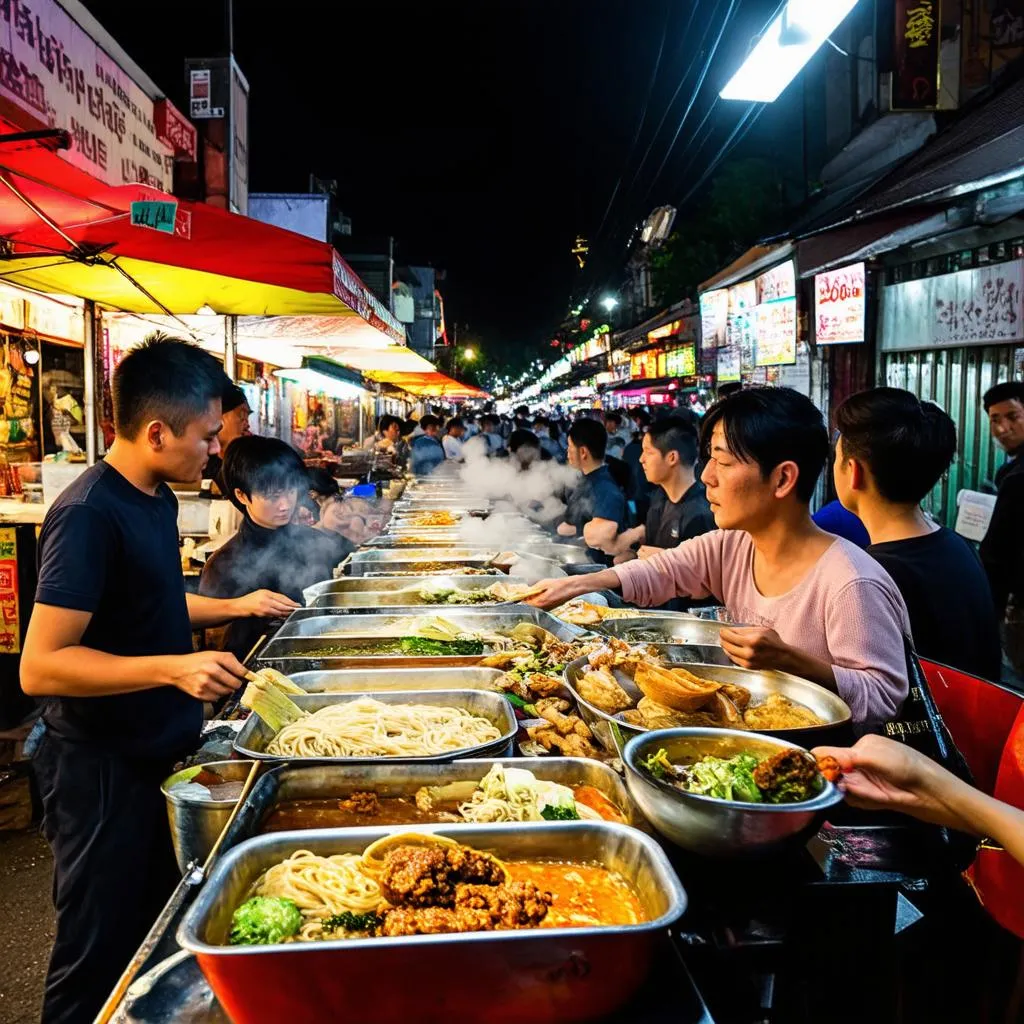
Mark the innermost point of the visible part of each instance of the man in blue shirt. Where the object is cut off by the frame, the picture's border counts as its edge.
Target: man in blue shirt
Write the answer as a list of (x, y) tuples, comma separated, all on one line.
[(597, 506), (426, 452)]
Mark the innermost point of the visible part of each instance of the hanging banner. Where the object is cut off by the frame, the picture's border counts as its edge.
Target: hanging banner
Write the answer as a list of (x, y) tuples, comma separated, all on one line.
[(839, 306), (714, 317), (10, 635), (775, 316), (58, 75), (915, 80), (980, 306), (728, 364)]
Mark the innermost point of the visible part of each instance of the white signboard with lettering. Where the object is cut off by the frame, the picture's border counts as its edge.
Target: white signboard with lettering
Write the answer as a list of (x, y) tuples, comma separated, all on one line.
[(839, 306), (980, 306), (974, 513), (57, 74)]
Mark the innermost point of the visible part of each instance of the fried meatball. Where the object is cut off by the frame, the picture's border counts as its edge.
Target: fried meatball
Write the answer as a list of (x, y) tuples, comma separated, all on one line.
[(419, 921), (361, 803), (467, 865), (514, 905), (417, 876)]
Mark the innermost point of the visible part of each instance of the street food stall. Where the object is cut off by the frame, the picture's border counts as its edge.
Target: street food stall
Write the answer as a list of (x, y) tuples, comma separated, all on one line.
[(558, 754)]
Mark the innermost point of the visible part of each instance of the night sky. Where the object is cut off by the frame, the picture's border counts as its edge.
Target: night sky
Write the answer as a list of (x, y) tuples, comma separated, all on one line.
[(481, 134)]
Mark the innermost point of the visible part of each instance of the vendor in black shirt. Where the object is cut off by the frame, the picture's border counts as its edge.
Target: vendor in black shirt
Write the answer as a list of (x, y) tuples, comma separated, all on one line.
[(679, 507), (109, 649), (597, 506), (235, 414), (891, 451), (264, 478)]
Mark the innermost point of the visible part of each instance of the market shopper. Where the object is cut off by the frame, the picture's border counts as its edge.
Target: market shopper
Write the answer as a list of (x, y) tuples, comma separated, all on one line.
[(597, 506), (109, 650), (235, 416), (265, 478), (892, 449), (679, 509), (618, 436), (426, 452), (452, 441), (818, 606)]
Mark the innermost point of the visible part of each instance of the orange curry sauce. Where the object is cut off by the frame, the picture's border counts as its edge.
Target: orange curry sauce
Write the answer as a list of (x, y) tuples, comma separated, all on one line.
[(585, 894)]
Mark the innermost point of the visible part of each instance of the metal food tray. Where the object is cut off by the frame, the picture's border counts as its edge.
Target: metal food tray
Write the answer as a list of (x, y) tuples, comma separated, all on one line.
[(338, 782), (254, 736), (376, 680), (528, 568), (678, 630), (287, 650), (409, 595), (394, 584), (465, 553), (822, 702), (512, 971)]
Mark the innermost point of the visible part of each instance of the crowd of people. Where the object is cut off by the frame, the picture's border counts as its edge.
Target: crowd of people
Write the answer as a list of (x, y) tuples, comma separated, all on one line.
[(676, 511)]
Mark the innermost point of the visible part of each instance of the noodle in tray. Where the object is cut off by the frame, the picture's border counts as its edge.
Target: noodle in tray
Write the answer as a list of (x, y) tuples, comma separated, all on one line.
[(368, 728)]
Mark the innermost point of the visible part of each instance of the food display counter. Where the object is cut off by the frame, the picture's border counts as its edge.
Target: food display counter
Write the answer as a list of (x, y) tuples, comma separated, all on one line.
[(745, 936)]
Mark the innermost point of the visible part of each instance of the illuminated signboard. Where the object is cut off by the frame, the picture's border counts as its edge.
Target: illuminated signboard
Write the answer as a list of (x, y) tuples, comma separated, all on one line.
[(728, 364), (839, 309), (775, 316), (714, 316), (682, 362)]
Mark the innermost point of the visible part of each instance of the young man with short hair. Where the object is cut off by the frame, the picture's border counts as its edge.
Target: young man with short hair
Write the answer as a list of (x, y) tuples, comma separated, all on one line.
[(1002, 550), (235, 416), (618, 436), (679, 509), (597, 506), (891, 451), (109, 649), (426, 452), (818, 606), (453, 439)]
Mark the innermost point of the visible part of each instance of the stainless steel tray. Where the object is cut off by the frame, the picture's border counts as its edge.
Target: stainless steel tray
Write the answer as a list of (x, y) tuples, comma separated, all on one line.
[(676, 629), (513, 973), (255, 734), (376, 680), (425, 554), (380, 585), (392, 599), (527, 568), (822, 702), (337, 782)]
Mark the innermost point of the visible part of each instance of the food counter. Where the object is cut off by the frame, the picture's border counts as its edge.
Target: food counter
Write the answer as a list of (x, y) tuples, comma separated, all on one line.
[(759, 938)]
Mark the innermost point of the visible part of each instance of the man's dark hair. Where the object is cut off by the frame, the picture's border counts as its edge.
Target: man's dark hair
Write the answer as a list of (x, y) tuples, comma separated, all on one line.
[(641, 415), (615, 416), (262, 465), (165, 379), (522, 439), (907, 444), (674, 434), (489, 419), (386, 422), (589, 434), (522, 410), (770, 426), (408, 426), (428, 421), (453, 424), (1006, 391), (232, 398)]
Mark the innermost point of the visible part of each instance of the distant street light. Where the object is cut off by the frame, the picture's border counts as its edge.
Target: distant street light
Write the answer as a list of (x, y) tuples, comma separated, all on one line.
[(787, 45), (469, 354), (609, 302)]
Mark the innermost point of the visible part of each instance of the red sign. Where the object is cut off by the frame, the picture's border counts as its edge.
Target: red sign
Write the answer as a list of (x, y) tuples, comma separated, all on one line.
[(915, 80), (173, 129), (10, 636)]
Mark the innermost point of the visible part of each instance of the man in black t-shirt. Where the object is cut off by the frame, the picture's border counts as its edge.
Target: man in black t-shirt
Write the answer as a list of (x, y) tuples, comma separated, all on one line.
[(679, 507), (891, 451), (109, 650)]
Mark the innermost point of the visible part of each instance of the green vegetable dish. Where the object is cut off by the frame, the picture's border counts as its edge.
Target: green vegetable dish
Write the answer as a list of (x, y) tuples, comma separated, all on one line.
[(788, 777), (264, 920)]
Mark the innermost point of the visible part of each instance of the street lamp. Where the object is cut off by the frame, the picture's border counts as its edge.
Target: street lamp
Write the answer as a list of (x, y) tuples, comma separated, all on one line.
[(609, 302), (469, 354)]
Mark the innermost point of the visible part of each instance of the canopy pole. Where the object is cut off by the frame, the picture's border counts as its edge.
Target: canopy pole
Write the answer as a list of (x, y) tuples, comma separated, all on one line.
[(231, 346), (92, 325)]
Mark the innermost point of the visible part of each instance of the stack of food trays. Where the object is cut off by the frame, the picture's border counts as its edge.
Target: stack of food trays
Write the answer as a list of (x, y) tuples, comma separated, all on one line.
[(408, 562), (378, 592)]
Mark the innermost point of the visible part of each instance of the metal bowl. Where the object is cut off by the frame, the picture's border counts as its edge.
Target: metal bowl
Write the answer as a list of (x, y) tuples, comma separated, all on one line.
[(678, 629), (704, 824), (825, 704)]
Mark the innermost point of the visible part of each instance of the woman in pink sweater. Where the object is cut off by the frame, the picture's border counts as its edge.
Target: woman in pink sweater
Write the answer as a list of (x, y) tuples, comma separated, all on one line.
[(817, 605)]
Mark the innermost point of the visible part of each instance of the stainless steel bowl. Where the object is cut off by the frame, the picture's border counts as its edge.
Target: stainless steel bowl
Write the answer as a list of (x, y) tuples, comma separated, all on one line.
[(677, 628), (704, 824), (825, 704)]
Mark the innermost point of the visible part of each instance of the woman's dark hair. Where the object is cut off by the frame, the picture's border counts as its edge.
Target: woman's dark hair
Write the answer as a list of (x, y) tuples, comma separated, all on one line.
[(642, 416), (674, 434), (322, 483), (453, 424), (615, 416), (905, 443), (428, 421), (1006, 391), (522, 439), (165, 379), (386, 422), (590, 434), (770, 426), (262, 465), (408, 426)]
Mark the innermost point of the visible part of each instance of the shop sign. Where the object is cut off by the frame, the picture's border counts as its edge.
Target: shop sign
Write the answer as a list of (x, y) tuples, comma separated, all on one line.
[(714, 315), (682, 362), (980, 306), (199, 94), (158, 216), (57, 74), (644, 365), (775, 331), (56, 320), (777, 283), (10, 635), (174, 130), (915, 81), (839, 307), (12, 308), (728, 364)]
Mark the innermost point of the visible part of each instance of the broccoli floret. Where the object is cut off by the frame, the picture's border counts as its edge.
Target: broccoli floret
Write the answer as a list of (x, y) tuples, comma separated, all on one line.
[(264, 920), (346, 921), (658, 764), (561, 813)]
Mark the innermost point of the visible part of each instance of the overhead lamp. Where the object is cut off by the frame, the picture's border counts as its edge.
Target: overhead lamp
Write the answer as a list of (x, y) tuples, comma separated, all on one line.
[(787, 45), (469, 355), (609, 302), (31, 356)]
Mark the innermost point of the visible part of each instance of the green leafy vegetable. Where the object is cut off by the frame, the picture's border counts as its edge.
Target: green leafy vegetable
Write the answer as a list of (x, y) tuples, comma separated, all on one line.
[(264, 920), (560, 813), (426, 646), (517, 702), (725, 778), (346, 921), (658, 764)]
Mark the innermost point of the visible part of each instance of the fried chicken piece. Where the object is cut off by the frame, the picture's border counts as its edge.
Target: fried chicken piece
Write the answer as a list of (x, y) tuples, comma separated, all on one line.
[(361, 803), (739, 695), (573, 745), (779, 712), (791, 774), (657, 716), (602, 689), (469, 866), (516, 686), (543, 685), (513, 905), (551, 710)]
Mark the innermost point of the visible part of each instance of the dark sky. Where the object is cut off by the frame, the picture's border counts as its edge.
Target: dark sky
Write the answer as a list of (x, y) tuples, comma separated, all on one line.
[(481, 134)]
